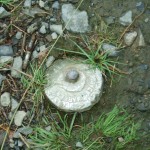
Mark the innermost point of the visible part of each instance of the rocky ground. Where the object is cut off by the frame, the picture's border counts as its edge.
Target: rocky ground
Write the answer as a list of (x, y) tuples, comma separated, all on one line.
[(29, 31)]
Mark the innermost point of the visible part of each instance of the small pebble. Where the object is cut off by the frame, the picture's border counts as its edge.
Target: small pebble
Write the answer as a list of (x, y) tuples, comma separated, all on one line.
[(5, 99), (49, 61), (33, 27), (20, 143), (79, 145), (57, 28), (27, 3), (41, 3), (19, 117), (5, 60), (25, 130), (55, 5), (130, 37), (3, 13), (17, 67), (48, 128), (54, 35), (110, 49), (126, 19), (43, 29), (18, 35), (14, 104), (6, 50), (2, 78)]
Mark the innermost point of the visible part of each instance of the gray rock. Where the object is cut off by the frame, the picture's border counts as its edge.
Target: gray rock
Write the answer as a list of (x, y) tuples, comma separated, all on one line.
[(76, 21), (5, 59), (142, 107), (110, 49), (48, 128), (35, 54), (20, 143), (19, 117), (79, 145), (54, 35), (109, 20), (42, 48), (3, 13), (139, 41), (32, 28), (55, 5), (17, 66), (146, 20), (49, 61), (25, 130), (43, 29), (14, 104), (126, 19), (140, 6), (130, 37), (18, 35), (41, 3), (5, 99), (16, 135), (6, 50), (28, 3), (56, 28), (2, 78)]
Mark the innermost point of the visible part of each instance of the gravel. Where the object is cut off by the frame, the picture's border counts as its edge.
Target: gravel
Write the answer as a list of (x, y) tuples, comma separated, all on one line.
[(76, 21), (126, 19), (130, 37), (6, 50), (17, 67), (5, 99), (56, 28), (19, 117)]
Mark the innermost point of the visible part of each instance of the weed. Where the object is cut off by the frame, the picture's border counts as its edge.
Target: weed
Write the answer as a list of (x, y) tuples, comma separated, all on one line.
[(38, 83), (94, 135)]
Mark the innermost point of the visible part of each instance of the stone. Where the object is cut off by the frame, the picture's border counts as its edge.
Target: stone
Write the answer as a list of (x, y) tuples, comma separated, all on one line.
[(18, 35), (48, 128), (17, 67), (139, 41), (25, 130), (75, 20), (35, 54), (146, 20), (79, 145), (109, 20), (49, 61), (41, 3), (28, 3), (6, 50), (55, 5), (2, 78), (42, 48), (130, 37), (77, 96), (20, 143), (54, 35), (4, 13), (32, 28), (142, 107), (126, 19), (140, 6), (14, 104), (5, 99), (56, 28), (5, 60), (110, 49), (43, 29), (19, 117)]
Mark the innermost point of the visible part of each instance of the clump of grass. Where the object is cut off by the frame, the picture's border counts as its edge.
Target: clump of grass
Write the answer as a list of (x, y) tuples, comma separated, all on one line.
[(115, 124), (97, 58), (6, 1), (36, 89)]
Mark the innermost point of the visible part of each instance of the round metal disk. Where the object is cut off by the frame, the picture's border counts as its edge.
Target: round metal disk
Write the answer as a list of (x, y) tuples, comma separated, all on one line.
[(73, 86)]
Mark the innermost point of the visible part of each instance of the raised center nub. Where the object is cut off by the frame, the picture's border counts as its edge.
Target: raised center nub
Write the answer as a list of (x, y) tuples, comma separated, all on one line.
[(72, 76)]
